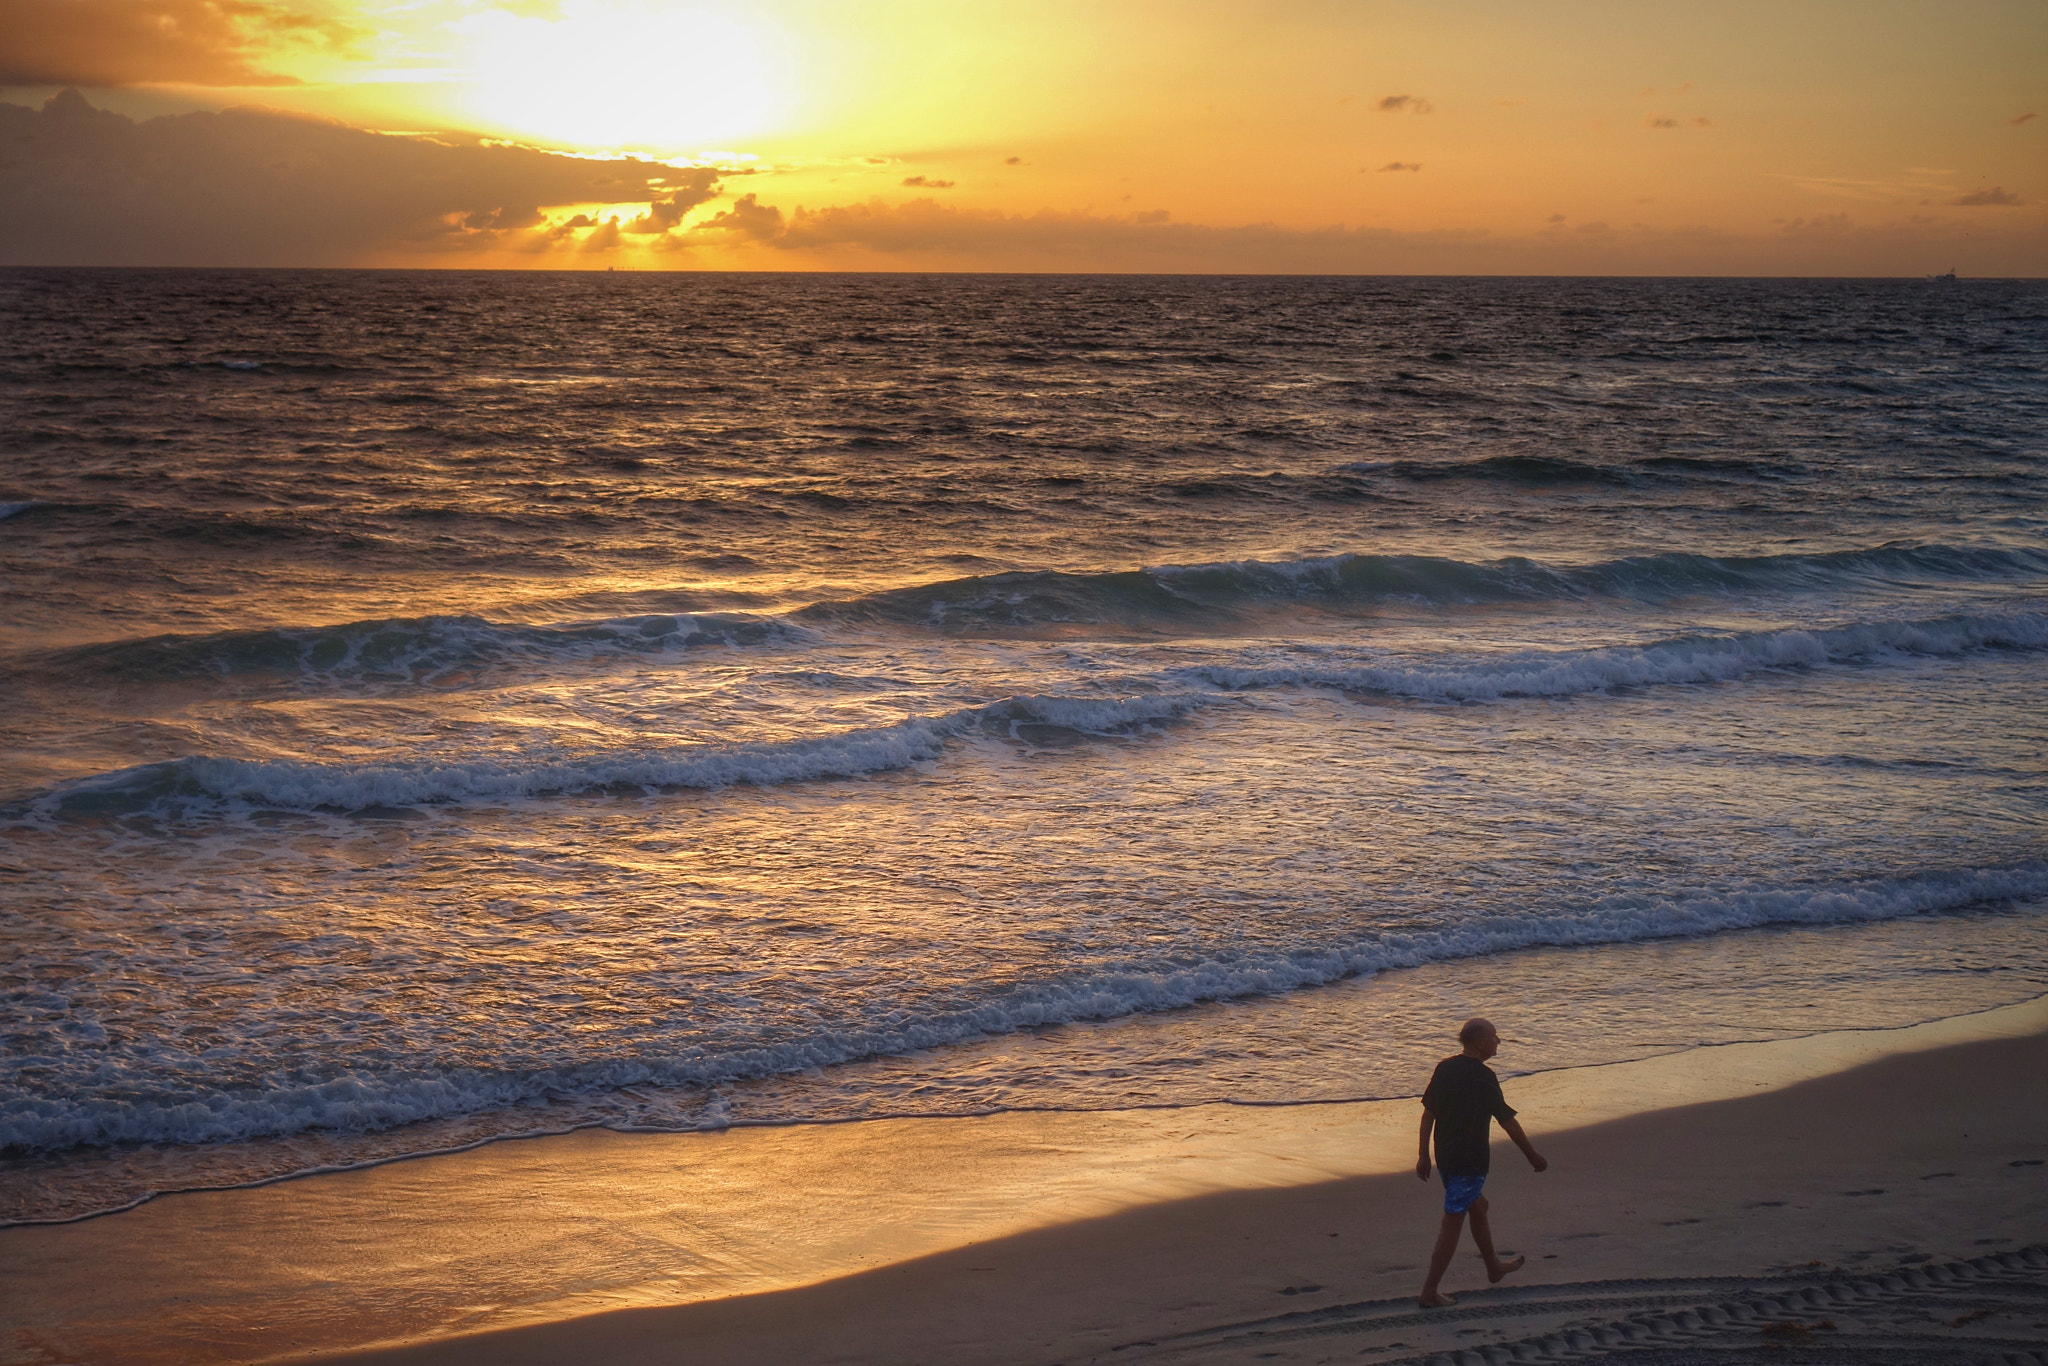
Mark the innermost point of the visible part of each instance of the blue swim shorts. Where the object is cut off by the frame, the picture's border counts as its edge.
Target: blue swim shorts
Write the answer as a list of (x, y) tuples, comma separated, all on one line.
[(1461, 1191)]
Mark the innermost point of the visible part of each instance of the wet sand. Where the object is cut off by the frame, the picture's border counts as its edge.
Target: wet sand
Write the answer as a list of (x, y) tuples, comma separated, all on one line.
[(1843, 1161), (1915, 1162)]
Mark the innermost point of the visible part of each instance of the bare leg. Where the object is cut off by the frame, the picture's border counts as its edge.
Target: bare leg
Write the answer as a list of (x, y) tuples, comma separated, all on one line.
[(1482, 1234), (1440, 1262)]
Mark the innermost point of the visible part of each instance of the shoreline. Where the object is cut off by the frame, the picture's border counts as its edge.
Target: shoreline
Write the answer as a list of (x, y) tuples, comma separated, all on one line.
[(214, 1163), (520, 1245)]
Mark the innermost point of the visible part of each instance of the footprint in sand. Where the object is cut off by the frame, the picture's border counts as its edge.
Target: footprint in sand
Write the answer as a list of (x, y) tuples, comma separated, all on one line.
[(1674, 1223), (1874, 1190), (1936, 1176), (1765, 1204), (2025, 1162)]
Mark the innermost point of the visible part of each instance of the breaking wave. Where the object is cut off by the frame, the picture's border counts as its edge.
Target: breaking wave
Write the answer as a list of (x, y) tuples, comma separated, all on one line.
[(1698, 659), (311, 786), (420, 650), (362, 1102), (306, 785), (1198, 595)]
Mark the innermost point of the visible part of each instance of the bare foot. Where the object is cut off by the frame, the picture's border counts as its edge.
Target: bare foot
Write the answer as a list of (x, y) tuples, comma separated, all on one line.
[(1494, 1273), (1435, 1301)]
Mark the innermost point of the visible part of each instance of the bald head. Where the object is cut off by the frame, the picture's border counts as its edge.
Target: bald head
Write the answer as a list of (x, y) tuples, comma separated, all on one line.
[(1479, 1037)]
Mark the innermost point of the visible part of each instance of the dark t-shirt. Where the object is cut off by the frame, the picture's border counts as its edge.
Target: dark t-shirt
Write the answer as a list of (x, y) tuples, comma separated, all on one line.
[(1465, 1097)]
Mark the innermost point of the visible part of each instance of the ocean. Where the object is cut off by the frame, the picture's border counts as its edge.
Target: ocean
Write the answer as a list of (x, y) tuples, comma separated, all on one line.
[(449, 706)]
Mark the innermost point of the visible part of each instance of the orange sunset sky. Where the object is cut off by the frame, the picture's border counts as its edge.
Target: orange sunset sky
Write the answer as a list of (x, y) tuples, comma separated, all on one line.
[(1804, 138)]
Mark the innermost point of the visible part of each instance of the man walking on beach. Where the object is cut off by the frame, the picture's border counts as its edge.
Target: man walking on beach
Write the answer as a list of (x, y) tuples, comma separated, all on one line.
[(1461, 1104)]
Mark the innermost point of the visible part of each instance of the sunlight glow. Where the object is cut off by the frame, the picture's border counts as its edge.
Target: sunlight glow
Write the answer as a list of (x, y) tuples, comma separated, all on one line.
[(662, 77)]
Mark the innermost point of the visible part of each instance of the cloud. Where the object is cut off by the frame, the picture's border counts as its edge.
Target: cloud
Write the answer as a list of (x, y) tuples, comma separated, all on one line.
[(2018, 119), (1652, 121), (747, 218), (1997, 195), (1826, 226), (696, 186), (80, 185), (1018, 161), (1702, 123), (1870, 191), (161, 42), (504, 219), (927, 183), (1413, 104), (1402, 166), (928, 234)]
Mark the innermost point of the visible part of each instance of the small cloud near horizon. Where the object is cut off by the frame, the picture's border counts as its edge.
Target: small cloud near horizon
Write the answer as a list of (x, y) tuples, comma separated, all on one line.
[(1412, 104), (1997, 195), (2018, 119), (920, 182), (1013, 161), (1652, 121), (1402, 166), (747, 217)]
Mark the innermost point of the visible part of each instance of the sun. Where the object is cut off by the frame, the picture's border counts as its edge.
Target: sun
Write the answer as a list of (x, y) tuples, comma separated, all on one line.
[(603, 75)]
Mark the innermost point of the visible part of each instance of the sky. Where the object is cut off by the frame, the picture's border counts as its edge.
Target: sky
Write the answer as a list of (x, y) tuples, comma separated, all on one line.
[(1799, 137)]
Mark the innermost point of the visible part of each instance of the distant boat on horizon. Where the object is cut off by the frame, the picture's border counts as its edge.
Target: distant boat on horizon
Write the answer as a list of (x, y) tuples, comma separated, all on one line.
[(1949, 278)]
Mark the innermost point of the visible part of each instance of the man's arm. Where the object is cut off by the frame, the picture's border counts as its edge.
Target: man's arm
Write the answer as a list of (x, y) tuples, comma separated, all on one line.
[(1422, 1156), (1513, 1128)]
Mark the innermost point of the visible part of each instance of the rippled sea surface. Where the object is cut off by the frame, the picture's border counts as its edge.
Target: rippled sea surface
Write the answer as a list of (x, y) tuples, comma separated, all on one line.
[(445, 706)]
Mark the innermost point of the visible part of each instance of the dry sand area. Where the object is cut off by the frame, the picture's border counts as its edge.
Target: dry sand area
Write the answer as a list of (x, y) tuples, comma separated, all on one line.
[(1861, 1197)]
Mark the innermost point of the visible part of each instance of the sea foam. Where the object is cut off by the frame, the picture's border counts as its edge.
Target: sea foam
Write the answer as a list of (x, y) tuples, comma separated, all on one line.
[(309, 785), (363, 1101)]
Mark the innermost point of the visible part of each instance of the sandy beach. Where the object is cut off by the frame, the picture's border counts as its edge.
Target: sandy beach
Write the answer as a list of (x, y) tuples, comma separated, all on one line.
[(1816, 1191), (1890, 1183)]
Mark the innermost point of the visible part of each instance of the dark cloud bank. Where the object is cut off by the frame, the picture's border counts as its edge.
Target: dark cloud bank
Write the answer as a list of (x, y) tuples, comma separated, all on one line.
[(137, 42), (80, 186)]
